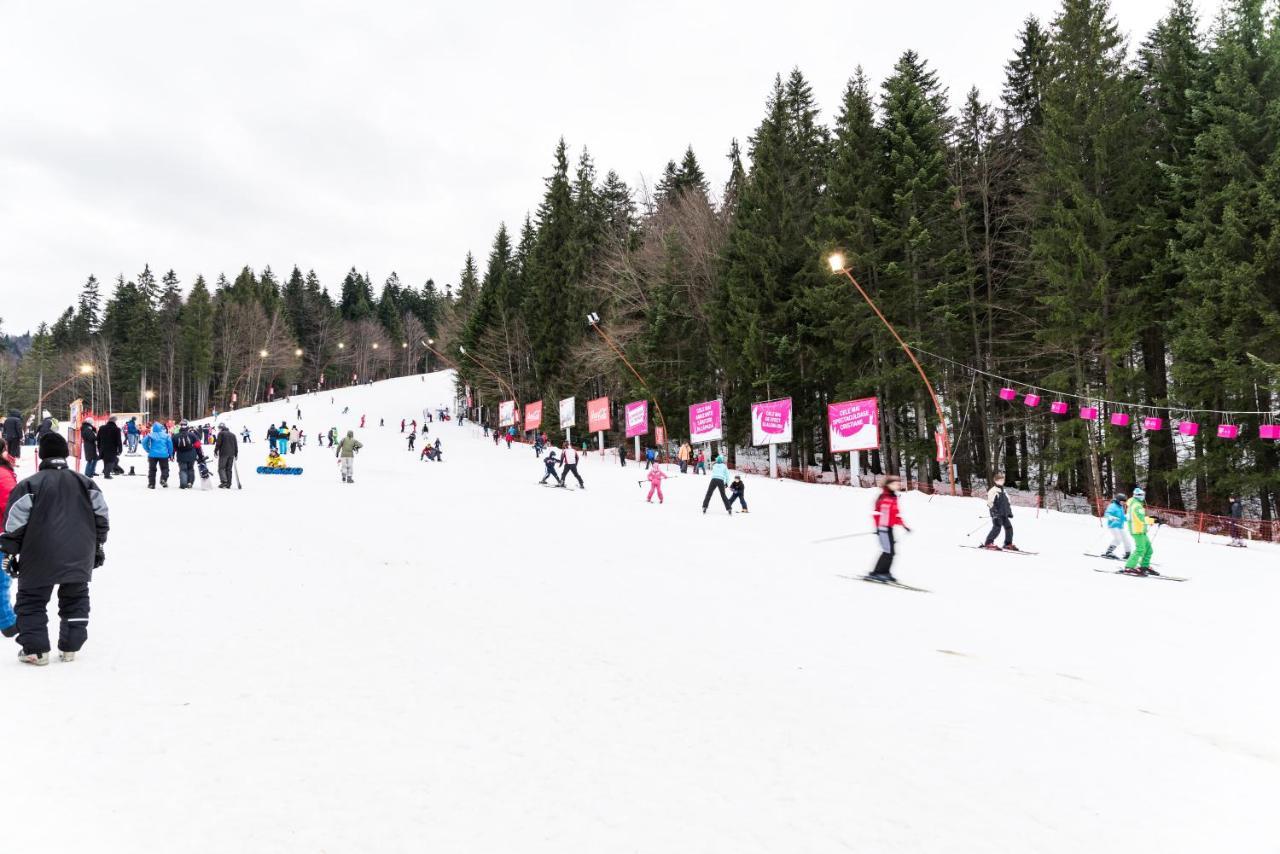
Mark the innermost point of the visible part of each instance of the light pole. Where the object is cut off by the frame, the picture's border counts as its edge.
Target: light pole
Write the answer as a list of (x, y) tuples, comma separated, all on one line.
[(836, 260), (501, 382), (593, 320)]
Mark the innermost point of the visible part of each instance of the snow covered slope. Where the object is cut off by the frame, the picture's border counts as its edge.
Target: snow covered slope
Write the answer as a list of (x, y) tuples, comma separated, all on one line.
[(451, 658)]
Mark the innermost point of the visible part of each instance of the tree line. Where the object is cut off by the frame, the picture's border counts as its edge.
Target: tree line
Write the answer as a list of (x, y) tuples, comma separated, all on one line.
[(1105, 225)]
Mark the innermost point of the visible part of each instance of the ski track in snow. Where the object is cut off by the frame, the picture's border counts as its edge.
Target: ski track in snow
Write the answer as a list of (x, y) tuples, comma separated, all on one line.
[(449, 658)]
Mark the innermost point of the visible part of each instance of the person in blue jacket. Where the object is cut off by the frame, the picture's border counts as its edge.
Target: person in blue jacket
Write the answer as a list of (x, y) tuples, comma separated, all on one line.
[(1116, 528), (131, 435), (159, 448), (719, 478)]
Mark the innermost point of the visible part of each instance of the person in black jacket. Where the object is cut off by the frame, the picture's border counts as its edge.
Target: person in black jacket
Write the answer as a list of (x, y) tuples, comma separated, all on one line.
[(1001, 513), (89, 446), (1236, 511), (12, 433), (186, 448), (226, 449), (55, 526), (110, 446)]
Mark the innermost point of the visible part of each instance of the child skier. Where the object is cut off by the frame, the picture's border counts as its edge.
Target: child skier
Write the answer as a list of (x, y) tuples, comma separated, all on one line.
[(550, 463), (656, 477), (737, 492), (885, 518), (1139, 563), (1115, 527), (700, 466), (1001, 513)]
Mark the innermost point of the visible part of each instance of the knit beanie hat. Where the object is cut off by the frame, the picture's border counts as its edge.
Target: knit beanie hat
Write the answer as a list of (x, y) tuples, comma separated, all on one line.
[(53, 446)]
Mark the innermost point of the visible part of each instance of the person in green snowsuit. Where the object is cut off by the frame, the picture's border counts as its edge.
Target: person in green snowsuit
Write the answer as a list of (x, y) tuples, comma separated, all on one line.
[(1139, 561)]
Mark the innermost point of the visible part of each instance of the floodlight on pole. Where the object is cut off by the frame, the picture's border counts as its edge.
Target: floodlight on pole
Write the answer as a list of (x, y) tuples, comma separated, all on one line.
[(837, 263), (593, 320)]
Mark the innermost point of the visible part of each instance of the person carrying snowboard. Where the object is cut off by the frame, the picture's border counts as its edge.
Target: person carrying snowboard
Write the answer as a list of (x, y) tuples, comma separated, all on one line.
[(738, 492), (1001, 513), (719, 478), (569, 459), (886, 518), (1139, 562), (346, 453), (550, 462), (1115, 527), (656, 477)]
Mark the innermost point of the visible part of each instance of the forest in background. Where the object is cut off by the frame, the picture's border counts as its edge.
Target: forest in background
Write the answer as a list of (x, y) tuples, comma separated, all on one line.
[(1105, 226)]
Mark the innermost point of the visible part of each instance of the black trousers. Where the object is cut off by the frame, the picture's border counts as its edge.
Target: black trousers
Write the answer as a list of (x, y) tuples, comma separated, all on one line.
[(33, 617), (570, 468), (551, 472), (152, 462), (884, 566), (109, 465), (186, 472), (225, 465), (716, 483), (998, 523)]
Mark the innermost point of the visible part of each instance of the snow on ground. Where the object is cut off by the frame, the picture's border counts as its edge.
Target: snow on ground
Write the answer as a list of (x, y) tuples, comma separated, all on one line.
[(451, 658)]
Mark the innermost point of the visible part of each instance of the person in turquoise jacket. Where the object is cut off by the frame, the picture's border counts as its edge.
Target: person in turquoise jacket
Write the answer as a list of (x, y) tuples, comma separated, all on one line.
[(159, 448), (719, 479), (1115, 518)]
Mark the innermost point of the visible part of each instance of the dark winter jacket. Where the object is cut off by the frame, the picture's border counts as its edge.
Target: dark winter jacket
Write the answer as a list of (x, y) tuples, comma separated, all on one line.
[(738, 487), (13, 430), (46, 426), (226, 446), (89, 441), (1236, 511), (186, 455), (110, 442), (55, 522), (998, 502)]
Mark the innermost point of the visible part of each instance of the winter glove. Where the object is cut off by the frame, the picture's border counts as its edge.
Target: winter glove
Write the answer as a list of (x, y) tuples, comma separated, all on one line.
[(11, 565), (99, 557)]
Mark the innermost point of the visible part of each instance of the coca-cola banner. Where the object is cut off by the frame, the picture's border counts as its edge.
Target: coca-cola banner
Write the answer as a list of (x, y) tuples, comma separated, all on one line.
[(598, 415), (533, 415)]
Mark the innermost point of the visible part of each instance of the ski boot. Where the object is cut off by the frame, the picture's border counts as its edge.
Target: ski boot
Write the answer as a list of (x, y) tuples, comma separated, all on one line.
[(39, 659), (1146, 570), (991, 547), (66, 656), (1135, 571), (882, 578), (1011, 548)]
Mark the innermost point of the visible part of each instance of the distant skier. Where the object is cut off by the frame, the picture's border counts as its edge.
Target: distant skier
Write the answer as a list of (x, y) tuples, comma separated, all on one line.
[(361, 421), (1001, 513), (346, 453), (719, 479), (656, 477), (1115, 526), (246, 436), (885, 518), (738, 492), (412, 438), (622, 453), (569, 459), (550, 463), (511, 434), (402, 423), (1139, 563), (700, 466), (1236, 511), (132, 435), (650, 457)]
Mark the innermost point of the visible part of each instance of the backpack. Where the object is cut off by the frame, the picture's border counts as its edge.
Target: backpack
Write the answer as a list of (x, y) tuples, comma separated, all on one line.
[(183, 441)]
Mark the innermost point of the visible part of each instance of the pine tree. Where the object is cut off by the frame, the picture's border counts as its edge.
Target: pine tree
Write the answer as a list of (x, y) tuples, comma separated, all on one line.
[(553, 291), (88, 309), (356, 301)]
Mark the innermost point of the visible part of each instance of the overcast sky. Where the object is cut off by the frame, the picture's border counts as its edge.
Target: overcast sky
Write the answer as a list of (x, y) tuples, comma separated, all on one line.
[(395, 135)]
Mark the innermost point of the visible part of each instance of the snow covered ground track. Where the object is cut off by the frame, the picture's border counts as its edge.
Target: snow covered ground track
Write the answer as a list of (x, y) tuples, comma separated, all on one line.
[(451, 658)]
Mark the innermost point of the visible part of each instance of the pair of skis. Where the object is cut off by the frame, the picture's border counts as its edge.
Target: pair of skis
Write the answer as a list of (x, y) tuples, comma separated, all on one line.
[(1134, 575)]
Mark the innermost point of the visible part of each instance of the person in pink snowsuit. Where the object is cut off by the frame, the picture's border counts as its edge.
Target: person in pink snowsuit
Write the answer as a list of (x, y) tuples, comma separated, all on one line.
[(655, 483)]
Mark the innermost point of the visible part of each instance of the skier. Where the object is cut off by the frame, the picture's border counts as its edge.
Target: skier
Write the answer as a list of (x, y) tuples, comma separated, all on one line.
[(885, 518), (361, 421), (13, 433), (656, 477), (110, 444), (1139, 562), (346, 453), (246, 437), (550, 463), (159, 448), (738, 492), (55, 525), (402, 425), (511, 434), (413, 426), (650, 457), (719, 477), (412, 438), (1236, 512), (701, 465), (622, 453), (89, 446), (569, 459), (1001, 513), (226, 449), (186, 447), (8, 480), (1115, 526), (333, 436)]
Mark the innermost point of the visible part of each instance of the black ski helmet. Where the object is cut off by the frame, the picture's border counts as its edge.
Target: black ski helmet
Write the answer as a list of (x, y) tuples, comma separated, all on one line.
[(1120, 496)]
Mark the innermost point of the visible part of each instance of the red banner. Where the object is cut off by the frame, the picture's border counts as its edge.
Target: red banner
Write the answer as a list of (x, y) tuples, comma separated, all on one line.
[(533, 415), (598, 415)]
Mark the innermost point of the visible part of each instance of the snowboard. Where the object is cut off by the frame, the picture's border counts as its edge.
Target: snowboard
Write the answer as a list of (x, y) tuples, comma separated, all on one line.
[(269, 470), (1157, 577)]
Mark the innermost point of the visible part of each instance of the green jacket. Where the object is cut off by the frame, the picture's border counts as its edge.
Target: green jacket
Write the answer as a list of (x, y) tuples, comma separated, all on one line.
[(348, 447)]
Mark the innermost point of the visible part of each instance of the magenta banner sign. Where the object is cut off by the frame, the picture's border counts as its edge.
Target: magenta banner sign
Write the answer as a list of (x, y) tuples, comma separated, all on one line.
[(637, 418), (771, 422), (704, 422), (854, 425)]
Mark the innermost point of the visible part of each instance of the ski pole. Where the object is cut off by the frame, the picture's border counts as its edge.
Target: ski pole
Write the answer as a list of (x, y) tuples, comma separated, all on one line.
[(842, 537), (976, 530)]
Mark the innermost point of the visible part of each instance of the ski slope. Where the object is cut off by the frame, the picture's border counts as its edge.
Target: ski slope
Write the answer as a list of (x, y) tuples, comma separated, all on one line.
[(451, 658)]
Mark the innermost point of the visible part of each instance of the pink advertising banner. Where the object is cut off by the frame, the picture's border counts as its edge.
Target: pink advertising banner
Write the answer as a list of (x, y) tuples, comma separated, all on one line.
[(705, 423), (598, 414), (533, 415), (637, 418), (854, 425), (771, 422)]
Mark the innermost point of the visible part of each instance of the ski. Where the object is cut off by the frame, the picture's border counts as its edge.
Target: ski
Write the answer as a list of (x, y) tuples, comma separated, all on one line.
[(898, 584), (1131, 575), (984, 549)]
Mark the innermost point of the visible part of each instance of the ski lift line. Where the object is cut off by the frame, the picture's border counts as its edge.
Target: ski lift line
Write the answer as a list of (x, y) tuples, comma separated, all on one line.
[(1090, 398)]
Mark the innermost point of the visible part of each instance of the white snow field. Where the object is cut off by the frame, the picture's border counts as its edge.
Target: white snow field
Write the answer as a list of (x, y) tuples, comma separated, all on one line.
[(451, 658)]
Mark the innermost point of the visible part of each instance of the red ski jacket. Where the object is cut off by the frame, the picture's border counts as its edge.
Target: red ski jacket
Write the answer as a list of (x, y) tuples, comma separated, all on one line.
[(886, 513)]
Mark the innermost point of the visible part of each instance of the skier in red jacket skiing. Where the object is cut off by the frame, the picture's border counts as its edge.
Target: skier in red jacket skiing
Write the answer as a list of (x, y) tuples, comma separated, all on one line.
[(885, 518)]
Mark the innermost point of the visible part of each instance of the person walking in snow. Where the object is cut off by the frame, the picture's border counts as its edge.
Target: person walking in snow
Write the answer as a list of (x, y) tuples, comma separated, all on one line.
[(402, 422), (413, 437), (719, 479), (186, 448), (110, 446), (89, 447), (55, 525), (226, 449), (886, 518), (1139, 562), (738, 492), (622, 453), (550, 463), (346, 453), (511, 434), (1001, 512), (569, 459), (13, 434), (683, 457), (1235, 510), (1115, 520), (650, 457), (159, 448), (132, 435), (656, 477)]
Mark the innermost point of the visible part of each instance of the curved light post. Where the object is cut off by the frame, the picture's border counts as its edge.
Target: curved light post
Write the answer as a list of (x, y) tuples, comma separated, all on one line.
[(593, 320), (836, 261)]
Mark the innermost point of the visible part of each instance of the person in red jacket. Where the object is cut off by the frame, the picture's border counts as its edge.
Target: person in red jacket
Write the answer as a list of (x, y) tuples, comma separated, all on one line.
[(8, 480), (886, 517)]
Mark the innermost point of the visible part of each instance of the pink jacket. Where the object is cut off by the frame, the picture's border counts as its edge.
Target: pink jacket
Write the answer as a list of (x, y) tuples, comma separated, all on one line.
[(656, 476)]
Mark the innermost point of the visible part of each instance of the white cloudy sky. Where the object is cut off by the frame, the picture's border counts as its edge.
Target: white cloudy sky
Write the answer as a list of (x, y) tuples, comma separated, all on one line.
[(394, 135)]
